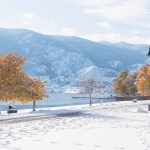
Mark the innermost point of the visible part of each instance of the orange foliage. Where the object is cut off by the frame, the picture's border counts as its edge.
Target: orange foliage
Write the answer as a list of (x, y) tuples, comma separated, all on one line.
[(148, 70), (16, 85), (143, 80)]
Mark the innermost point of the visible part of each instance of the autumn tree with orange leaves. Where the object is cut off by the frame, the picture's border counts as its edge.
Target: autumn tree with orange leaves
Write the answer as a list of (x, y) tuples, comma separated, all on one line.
[(143, 80), (16, 85)]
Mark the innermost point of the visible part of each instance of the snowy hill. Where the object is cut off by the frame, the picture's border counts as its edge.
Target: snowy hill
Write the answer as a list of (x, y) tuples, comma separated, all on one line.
[(64, 59), (111, 126)]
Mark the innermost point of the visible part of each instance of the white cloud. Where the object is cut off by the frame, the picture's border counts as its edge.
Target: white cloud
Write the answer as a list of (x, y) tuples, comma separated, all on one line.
[(104, 25), (138, 40), (29, 19), (123, 10), (119, 20), (67, 31), (116, 37), (34, 22), (112, 37), (91, 3), (107, 20)]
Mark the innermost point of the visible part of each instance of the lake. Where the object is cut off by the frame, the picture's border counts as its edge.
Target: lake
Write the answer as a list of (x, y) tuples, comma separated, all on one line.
[(58, 99)]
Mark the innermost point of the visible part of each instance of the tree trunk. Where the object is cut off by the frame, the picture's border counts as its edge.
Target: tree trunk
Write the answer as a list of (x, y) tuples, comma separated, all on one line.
[(148, 107), (90, 99), (13, 104), (33, 105)]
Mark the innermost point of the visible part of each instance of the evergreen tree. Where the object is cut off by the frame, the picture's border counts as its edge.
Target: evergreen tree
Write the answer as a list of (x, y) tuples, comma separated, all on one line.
[(124, 84), (118, 83)]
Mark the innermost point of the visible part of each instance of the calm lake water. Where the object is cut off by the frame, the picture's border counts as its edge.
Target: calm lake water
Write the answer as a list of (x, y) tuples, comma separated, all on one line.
[(58, 99)]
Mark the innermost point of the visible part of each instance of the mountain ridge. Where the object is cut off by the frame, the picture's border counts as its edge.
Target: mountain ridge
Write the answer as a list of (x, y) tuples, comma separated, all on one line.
[(61, 58)]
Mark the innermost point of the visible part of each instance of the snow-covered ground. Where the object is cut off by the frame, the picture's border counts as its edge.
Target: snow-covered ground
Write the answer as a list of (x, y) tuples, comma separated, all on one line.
[(112, 126)]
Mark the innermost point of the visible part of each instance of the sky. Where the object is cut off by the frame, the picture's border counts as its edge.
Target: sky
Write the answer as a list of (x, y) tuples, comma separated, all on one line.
[(97, 20)]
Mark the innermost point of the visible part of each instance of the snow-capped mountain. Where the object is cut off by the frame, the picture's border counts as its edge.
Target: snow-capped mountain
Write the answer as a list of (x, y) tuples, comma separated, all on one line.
[(65, 59)]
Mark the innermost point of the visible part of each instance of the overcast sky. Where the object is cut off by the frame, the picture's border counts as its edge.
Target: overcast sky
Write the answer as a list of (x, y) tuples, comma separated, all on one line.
[(98, 20)]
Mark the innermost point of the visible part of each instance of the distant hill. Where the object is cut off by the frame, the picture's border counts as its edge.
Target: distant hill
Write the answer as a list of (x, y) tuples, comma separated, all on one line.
[(64, 59)]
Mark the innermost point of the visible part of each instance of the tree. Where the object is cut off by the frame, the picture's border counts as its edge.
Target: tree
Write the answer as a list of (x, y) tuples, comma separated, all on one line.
[(124, 84), (118, 83), (143, 80), (129, 83), (38, 87), (16, 85), (89, 85), (10, 68)]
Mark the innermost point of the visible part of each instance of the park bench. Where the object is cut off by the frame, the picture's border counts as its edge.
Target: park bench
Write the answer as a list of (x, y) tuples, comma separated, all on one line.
[(11, 110)]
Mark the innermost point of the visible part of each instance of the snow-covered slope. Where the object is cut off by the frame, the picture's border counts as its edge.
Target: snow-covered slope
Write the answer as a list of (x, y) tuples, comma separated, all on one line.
[(112, 126), (64, 59)]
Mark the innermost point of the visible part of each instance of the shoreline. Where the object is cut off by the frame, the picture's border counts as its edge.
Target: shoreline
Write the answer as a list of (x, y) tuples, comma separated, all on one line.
[(53, 112)]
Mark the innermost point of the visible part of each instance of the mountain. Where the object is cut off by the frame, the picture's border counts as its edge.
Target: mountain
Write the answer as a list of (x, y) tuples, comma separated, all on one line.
[(64, 59), (137, 47)]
